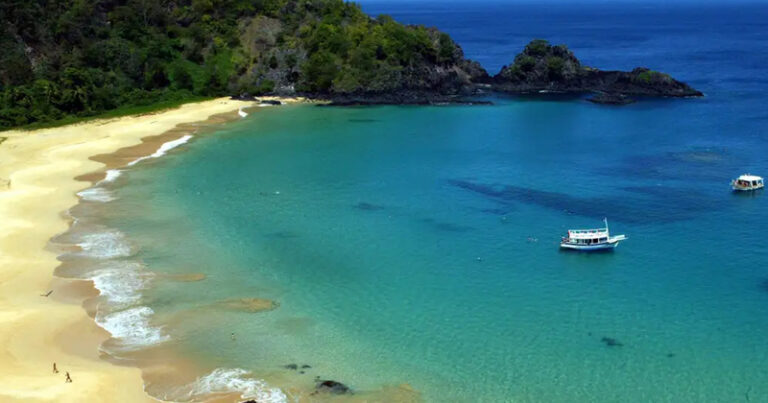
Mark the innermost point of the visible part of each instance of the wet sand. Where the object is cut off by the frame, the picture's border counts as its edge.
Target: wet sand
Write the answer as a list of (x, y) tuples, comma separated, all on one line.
[(37, 172)]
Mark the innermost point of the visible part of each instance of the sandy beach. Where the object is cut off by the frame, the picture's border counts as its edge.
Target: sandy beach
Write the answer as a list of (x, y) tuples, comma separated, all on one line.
[(38, 171)]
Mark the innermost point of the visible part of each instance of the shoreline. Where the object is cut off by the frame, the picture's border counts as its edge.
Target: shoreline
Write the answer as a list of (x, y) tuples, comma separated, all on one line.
[(41, 173)]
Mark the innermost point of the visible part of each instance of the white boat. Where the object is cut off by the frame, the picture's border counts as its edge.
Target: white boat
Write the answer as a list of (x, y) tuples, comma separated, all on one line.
[(591, 239), (745, 183)]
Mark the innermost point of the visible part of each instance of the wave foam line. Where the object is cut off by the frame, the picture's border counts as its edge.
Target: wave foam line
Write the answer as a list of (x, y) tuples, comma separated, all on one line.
[(163, 149), (122, 282), (132, 328), (231, 380), (96, 194), (105, 245), (111, 175)]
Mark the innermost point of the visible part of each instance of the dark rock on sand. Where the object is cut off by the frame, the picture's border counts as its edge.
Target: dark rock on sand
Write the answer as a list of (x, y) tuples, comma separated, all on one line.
[(291, 367), (332, 387), (611, 342), (244, 97), (305, 366), (270, 102)]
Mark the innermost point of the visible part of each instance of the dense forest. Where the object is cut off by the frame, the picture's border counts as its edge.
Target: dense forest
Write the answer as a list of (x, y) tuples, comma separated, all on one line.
[(63, 58)]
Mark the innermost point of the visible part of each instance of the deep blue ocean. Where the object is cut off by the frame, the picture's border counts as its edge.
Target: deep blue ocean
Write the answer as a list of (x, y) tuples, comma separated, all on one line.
[(419, 245)]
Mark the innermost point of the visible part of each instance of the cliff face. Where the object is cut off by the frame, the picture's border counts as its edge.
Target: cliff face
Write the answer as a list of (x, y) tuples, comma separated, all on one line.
[(542, 67)]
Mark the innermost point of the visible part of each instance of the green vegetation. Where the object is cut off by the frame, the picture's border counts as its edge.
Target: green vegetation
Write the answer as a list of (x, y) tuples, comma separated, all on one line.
[(555, 66), (71, 59), (537, 47), (649, 76)]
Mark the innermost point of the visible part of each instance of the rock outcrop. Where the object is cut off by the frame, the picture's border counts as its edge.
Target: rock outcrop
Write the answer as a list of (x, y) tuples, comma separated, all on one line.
[(542, 67)]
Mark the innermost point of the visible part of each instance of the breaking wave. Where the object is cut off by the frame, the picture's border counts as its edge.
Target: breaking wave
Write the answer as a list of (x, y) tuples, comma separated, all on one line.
[(131, 327), (105, 245), (97, 194), (230, 380), (163, 149)]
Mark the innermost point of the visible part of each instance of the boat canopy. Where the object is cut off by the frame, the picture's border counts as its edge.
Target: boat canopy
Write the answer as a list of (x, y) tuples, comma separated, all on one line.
[(587, 233), (750, 178)]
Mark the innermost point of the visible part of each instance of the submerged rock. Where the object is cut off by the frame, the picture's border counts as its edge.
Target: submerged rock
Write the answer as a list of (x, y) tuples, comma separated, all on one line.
[(291, 367), (611, 342), (368, 206), (764, 285), (248, 304), (332, 387)]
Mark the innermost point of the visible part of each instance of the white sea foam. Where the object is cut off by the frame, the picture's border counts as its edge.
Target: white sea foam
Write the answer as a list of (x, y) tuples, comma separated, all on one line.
[(131, 327), (106, 244), (122, 282), (163, 149), (97, 194), (112, 174), (231, 380)]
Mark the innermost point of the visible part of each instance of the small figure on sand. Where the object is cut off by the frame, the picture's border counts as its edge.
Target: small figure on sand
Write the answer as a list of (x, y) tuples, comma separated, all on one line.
[(55, 370), (69, 378), (233, 336)]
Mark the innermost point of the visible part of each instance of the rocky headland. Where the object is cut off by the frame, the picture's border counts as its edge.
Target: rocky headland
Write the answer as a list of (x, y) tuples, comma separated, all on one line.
[(540, 69)]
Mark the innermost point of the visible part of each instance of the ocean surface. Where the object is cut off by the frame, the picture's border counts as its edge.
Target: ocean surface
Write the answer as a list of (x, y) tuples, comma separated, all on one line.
[(419, 245)]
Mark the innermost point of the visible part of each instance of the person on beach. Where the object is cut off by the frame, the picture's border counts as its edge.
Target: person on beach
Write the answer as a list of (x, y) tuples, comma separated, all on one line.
[(233, 336), (55, 370), (69, 378)]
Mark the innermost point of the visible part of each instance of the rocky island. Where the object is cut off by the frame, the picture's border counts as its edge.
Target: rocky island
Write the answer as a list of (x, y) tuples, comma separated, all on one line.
[(541, 67)]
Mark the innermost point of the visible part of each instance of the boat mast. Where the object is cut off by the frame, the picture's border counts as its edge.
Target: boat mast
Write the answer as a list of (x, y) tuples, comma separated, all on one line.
[(605, 219)]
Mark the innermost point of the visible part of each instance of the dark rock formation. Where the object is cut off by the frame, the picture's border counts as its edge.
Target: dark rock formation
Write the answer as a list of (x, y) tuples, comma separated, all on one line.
[(244, 97), (401, 97), (542, 68), (332, 387), (611, 99), (270, 102), (291, 367)]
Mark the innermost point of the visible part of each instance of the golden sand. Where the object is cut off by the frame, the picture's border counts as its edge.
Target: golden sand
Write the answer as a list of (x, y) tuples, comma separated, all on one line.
[(37, 185)]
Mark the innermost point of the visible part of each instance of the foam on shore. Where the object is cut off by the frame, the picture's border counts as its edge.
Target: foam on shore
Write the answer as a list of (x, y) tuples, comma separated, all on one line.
[(96, 194), (163, 149), (131, 327), (106, 244), (229, 380), (122, 282)]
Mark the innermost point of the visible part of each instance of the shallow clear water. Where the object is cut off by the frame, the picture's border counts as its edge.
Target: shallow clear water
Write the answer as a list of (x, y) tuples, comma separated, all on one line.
[(419, 244)]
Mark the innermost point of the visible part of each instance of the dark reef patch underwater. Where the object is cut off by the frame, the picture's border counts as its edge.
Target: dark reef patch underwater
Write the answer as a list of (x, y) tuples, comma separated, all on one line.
[(661, 204)]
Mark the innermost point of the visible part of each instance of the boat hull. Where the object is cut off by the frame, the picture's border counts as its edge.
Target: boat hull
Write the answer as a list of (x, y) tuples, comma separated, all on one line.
[(590, 248), (746, 189)]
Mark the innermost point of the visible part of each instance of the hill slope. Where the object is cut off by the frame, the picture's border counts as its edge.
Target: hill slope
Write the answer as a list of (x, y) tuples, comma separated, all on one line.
[(82, 57)]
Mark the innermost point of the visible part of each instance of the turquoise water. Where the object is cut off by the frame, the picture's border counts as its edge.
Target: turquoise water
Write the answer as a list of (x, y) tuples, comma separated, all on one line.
[(419, 245)]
